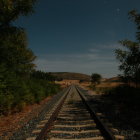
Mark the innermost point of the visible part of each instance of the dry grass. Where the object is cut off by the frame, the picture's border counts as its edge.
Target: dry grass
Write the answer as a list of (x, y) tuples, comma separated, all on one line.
[(109, 84)]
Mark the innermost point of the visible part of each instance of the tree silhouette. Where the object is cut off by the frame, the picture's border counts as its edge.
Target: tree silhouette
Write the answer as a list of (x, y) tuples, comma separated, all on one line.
[(96, 78), (129, 57)]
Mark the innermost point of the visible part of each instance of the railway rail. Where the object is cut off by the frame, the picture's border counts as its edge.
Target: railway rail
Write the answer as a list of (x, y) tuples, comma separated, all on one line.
[(73, 118)]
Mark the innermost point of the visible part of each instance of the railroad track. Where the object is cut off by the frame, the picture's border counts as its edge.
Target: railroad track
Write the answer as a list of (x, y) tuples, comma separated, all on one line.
[(73, 118)]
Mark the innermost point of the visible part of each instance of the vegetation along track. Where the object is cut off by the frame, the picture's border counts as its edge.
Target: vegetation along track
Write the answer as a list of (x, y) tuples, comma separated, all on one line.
[(73, 118)]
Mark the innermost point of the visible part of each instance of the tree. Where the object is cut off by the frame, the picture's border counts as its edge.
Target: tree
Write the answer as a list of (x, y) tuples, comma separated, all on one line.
[(129, 58), (16, 59), (11, 10), (14, 52), (135, 17), (96, 78), (13, 40)]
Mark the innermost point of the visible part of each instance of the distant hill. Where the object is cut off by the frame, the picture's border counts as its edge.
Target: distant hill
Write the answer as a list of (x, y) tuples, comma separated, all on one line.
[(71, 76), (113, 79)]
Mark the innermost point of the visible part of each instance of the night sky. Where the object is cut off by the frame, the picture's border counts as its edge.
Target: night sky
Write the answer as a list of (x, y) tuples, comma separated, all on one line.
[(79, 35)]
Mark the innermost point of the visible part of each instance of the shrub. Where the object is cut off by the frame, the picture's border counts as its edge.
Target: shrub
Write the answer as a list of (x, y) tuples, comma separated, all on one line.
[(6, 101), (17, 92)]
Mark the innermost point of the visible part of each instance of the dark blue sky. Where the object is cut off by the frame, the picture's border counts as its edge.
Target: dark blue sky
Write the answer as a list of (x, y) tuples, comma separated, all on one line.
[(79, 35)]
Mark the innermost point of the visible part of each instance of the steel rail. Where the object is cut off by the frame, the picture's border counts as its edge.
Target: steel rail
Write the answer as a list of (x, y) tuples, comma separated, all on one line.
[(53, 117), (103, 128)]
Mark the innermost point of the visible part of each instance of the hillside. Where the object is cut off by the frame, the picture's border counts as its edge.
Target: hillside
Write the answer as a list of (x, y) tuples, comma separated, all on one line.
[(71, 76), (113, 79)]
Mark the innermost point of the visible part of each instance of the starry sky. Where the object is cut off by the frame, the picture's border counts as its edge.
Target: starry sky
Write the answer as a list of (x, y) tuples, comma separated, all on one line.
[(79, 35)]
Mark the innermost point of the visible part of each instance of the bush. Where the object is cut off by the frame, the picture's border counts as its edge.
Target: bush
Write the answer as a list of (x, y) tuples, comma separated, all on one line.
[(6, 96), (125, 94), (17, 92), (6, 101)]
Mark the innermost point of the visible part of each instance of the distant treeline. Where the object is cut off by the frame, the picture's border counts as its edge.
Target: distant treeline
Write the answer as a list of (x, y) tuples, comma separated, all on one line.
[(20, 84), (43, 75)]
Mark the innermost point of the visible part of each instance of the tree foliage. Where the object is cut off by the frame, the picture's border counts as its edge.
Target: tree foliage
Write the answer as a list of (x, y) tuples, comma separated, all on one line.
[(11, 10), (130, 56), (135, 17), (96, 78), (14, 52)]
